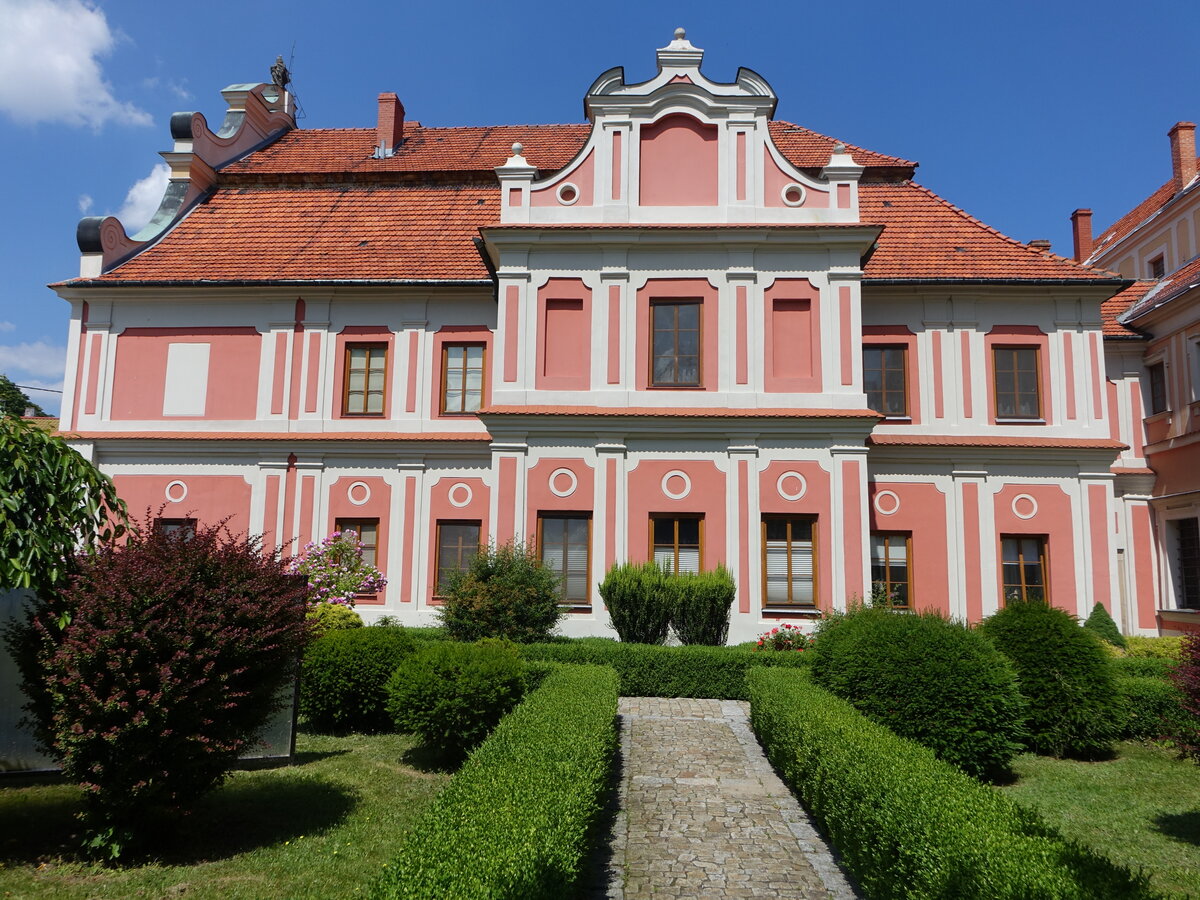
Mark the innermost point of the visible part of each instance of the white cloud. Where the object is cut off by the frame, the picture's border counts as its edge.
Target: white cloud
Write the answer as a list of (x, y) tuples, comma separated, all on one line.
[(50, 64), (85, 202), (7, 326), (143, 198), (38, 359)]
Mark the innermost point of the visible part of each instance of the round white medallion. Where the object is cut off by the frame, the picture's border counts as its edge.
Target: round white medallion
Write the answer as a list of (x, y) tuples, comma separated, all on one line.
[(684, 489), (568, 194), (358, 493), (886, 503), (563, 482), (782, 486), (176, 495), (460, 495), (792, 194), (1024, 506)]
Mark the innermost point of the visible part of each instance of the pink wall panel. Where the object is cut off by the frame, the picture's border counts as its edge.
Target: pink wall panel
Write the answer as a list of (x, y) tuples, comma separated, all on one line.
[(815, 501), (617, 163), (743, 588), (610, 504), (1097, 496), (678, 162), (93, 381), (377, 506), (1053, 520), (741, 365), (512, 319), (939, 394), (1068, 342), (1094, 358), (614, 334), (408, 562), (774, 181), (564, 340), (852, 528), (972, 551), (681, 288), (208, 498), (740, 164), (271, 488), (287, 538), (314, 370), (707, 498), (543, 499), (140, 371), (410, 390), (792, 358), (507, 500), (965, 344), (846, 343), (922, 513), (279, 373), (1143, 561), (583, 177), (308, 498)]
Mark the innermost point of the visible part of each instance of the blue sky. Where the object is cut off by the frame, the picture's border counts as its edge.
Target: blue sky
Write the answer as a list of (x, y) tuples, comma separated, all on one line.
[(1017, 112)]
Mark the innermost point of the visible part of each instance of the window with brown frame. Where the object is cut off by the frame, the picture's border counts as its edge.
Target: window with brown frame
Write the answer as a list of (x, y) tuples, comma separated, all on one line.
[(367, 533), (185, 529), (1157, 376), (1188, 533), (789, 561), (675, 343), (1023, 568), (885, 379), (891, 569), (1017, 385), (677, 542), (1158, 267), (463, 378), (457, 545), (564, 547), (364, 381)]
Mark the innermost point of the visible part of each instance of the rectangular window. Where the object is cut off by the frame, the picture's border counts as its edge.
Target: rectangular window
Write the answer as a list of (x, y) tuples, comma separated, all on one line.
[(564, 546), (885, 380), (367, 532), (677, 542), (1189, 563), (1015, 372), (1023, 567), (364, 380), (457, 545), (462, 378), (789, 561), (185, 528), (891, 569), (1158, 387), (675, 343), (1158, 267)]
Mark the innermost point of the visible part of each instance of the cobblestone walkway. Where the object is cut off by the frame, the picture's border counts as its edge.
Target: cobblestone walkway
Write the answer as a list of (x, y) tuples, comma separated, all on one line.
[(703, 814)]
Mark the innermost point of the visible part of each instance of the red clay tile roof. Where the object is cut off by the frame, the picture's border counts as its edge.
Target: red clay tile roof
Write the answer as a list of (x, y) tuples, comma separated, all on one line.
[(276, 435), (926, 237), (1135, 217), (1182, 280), (1118, 304), (480, 149), (978, 440)]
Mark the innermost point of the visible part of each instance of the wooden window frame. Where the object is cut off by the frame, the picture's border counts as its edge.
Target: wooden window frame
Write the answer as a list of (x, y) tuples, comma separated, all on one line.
[(552, 514), (654, 517), (1157, 267), (814, 521), (658, 303), (355, 524), (903, 348), (437, 547), (483, 377), (1156, 379), (369, 346), (1043, 562), (908, 566), (184, 523), (1037, 380)]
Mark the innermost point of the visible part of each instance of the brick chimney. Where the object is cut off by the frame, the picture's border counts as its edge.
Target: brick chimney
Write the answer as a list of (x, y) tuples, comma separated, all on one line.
[(1040, 244), (1183, 153), (390, 130), (1081, 225)]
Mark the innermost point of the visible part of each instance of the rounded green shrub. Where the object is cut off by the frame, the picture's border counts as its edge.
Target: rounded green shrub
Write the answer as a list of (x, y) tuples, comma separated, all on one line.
[(452, 694), (1101, 624), (701, 608), (505, 592), (1065, 677), (926, 678), (1165, 647), (1142, 667), (343, 686), (1153, 708), (325, 617), (640, 602)]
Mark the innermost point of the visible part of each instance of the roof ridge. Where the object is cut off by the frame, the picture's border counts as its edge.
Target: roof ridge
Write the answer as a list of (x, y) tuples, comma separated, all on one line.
[(848, 145), (1129, 216)]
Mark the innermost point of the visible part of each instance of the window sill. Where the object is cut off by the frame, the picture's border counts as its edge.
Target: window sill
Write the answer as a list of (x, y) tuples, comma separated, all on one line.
[(1019, 421), (353, 415), (802, 612), (674, 387), (897, 420), (571, 608)]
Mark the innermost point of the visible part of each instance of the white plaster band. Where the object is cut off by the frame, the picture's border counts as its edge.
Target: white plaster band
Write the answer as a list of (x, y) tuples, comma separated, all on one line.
[(460, 489), (800, 490), (567, 193), (572, 482), (891, 507), (792, 194), (363, 490), (183, 491), (1033, 506), (683, 492)]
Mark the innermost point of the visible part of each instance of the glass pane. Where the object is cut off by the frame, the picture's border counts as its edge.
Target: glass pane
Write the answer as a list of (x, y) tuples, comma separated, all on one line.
[(1027, 406), (375, 403), (664, 343), (689, 370), (1033, 572), (664, 370), (375, 381), (472, 403), (893, 358), (1004, 362), (475, 357), (689, 343), (354, 401), (454, 379), (872, 381), (1027, 381), (665, 558), (454, 401), (878, 547), (777, 529), (577, 531), (357, 381), (454, 355), (1008, 550), (475, 380), (358, 357), (689, 559), (689, 316), (664, 531), (689, 531)]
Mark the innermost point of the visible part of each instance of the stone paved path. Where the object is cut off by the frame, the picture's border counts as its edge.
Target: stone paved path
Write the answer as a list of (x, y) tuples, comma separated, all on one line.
[(703, 814)]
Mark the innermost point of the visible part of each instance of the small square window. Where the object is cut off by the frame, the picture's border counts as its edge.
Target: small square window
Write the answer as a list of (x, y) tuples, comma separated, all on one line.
[(1158, 267)]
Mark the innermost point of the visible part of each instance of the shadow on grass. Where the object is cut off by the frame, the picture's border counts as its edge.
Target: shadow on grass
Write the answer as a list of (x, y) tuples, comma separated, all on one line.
[(424, 758), (307, 757), (235, 819), (1180, 826)]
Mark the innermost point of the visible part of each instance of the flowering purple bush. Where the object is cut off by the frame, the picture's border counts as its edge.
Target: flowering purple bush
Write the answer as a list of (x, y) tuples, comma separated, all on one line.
[(336, 571), (785, 637)]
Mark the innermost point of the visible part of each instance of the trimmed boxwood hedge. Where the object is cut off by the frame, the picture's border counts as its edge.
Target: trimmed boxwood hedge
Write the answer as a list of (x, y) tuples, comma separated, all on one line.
[(515, 820), (648, 670), (908, 825), (1153, 708), (344, 678), (1142, 666)]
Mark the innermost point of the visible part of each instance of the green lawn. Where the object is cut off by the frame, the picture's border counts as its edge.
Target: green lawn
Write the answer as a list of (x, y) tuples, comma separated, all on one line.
[(1141, 809), (320, 829)]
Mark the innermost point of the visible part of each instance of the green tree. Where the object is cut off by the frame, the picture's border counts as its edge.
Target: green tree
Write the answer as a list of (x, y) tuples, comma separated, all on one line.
[(53, 503), (14, 401)]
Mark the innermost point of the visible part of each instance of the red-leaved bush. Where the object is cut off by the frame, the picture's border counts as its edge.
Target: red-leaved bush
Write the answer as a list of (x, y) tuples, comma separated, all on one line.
[(153, 668), (1186, 676)]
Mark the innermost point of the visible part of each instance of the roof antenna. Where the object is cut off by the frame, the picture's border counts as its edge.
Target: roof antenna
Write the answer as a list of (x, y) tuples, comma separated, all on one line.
[(297, 110)]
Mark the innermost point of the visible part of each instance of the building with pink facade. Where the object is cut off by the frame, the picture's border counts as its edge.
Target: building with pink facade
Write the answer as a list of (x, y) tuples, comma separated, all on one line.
[(682, 330)]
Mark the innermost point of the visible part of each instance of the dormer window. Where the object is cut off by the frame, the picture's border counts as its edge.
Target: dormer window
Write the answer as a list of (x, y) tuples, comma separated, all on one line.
[(1158, 267)]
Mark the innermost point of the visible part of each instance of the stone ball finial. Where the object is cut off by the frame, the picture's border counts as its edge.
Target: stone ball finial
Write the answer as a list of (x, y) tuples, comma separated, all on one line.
[(839, 147), (680, 34), (518, 149)]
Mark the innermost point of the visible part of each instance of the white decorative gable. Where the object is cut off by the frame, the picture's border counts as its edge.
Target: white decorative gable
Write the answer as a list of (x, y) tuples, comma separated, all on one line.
[(679, 149)]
